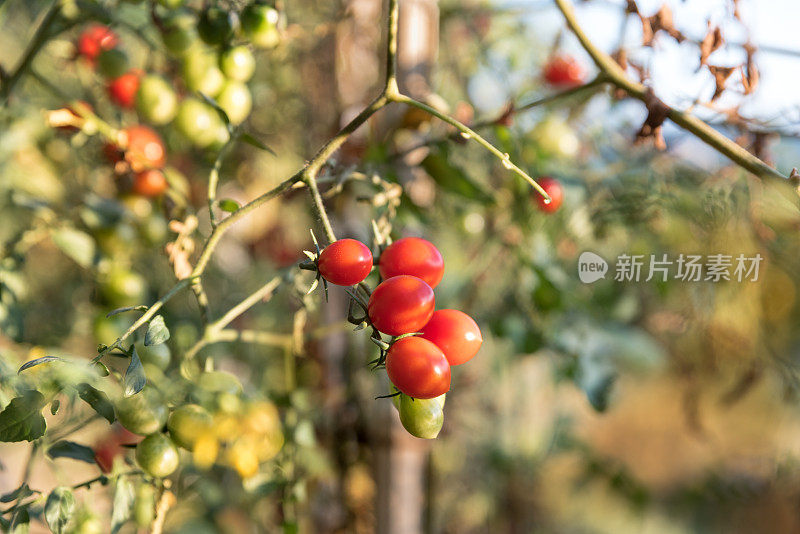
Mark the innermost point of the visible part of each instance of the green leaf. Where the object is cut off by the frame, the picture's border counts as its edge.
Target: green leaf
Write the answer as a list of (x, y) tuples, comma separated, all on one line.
[(54, 406), (134, 380), (452, 178), (213, 103), (76, 244), (157, 332), (112, 313), (22, 418), (21, 492), (252, 141), (70, 449), (21, 522), (124, 497), (37, 361), (98, 401), (59, 508), (228, 205)]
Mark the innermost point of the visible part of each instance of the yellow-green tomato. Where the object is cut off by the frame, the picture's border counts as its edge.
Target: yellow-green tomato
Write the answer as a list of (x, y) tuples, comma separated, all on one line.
[(156, 100), (187, 423), (555, 138), (236, 101), (144, 507), (106, 330), (143, 413), (156, 355), (260, 25), (198, 122), (201, 72), (422, 418), (219, 382), (237, 63), (124, 288), (157, 455), (85, 522)]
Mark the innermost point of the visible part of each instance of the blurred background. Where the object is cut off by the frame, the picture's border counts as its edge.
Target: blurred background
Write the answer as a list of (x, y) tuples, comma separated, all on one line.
[(650, 406)]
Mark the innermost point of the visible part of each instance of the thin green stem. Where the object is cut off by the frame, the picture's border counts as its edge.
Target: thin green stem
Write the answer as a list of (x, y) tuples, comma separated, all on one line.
[(469, 133), (515, 110), (213, 176), (390, 86), (228, 335), (694, 125), (261, 293), (202, 300), (311, 182), (549, 99), (146, 316)]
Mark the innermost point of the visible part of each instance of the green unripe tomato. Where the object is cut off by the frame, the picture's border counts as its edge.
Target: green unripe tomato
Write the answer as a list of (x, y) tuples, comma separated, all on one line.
[(422, 418), (144, 507), (221, 137), (237, 63), (554, 137), (187, 423), (85, 522), (198, 122), (156, 355), (143, 413), (156, 100), (215, 26), (201, 72), (260, 25), (154, 229), (112, 63), (236, 101), (179, 33), (124, 288), (219, 382), (157, 455), (106, 330)]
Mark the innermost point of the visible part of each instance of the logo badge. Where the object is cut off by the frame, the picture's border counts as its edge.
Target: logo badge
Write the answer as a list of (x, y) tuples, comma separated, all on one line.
[(591, 267)]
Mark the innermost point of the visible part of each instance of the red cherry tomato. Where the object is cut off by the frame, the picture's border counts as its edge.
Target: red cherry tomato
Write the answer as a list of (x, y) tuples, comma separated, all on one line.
[(414, 256), (122, 90), (143, 147), (556, 192), (455, 333), (418, 368), (401, 305), (564, 71), (345, 262), (112, 152), (150, 183), (94, 40)]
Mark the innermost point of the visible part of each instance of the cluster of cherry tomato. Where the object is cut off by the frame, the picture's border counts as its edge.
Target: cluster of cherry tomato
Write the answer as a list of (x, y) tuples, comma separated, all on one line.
[(212, 65), (562, 70), (235, 433), (425, 342)]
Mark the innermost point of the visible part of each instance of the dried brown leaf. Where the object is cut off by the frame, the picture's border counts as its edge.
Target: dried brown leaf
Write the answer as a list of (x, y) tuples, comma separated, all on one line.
[(721, 75), (651, 130), (750, 74), (711, 42)]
